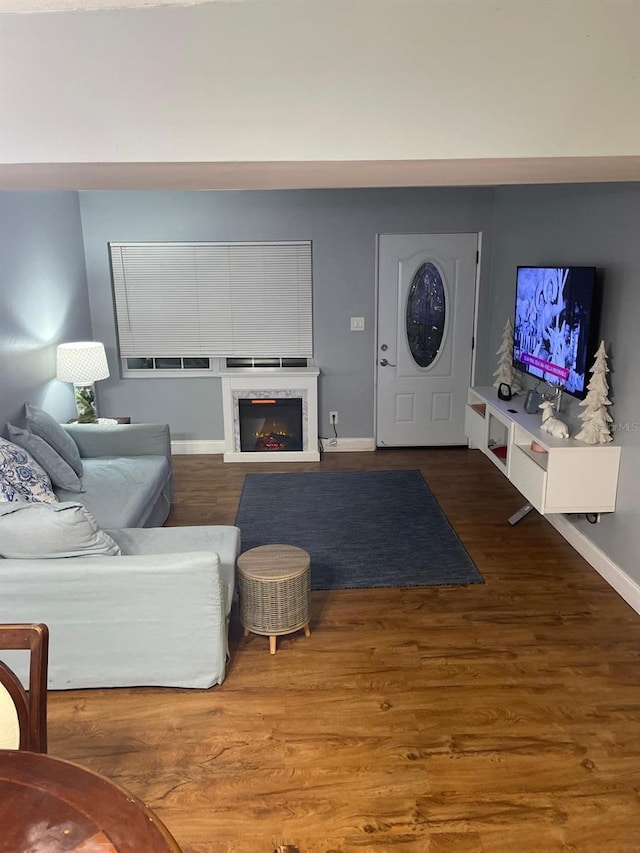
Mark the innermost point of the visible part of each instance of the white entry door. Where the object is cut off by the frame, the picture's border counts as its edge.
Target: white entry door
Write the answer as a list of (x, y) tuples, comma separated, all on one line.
[(426, 304)]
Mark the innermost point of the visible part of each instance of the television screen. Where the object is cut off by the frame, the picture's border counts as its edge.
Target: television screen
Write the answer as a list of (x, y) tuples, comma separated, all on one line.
[(556, 325)]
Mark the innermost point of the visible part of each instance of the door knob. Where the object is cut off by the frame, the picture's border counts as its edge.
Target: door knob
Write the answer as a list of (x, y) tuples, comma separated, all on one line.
[(385, 363)]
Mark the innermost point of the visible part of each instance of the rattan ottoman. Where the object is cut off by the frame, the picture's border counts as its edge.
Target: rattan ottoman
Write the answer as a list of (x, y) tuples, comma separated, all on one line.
[(273, 587)]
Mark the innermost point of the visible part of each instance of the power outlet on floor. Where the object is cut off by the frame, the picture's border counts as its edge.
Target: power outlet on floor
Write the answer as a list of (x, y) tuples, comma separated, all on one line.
[(333, 418)]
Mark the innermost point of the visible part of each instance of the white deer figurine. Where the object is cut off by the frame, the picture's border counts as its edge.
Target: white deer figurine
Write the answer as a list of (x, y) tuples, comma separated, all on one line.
[(554, 426)]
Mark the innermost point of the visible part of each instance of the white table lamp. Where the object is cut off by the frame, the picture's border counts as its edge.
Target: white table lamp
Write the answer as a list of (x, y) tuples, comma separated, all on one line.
[(83, 363)]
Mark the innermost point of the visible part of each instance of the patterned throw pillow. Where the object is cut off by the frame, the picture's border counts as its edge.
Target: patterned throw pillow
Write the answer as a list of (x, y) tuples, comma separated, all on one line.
[(7, 492), (21, 471)]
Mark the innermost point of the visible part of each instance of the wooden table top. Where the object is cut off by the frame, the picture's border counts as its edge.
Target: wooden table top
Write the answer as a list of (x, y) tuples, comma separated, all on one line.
[(47, 804), (273, 562)]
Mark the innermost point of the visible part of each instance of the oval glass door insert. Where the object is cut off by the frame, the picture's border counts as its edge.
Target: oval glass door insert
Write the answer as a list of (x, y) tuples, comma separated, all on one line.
[(426, 313)]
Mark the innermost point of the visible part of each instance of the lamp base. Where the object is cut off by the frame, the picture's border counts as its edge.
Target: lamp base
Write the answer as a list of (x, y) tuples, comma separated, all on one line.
[(86, 404)]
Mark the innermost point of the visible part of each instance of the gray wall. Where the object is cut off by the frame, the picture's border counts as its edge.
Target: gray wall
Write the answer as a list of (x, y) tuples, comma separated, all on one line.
[(589, 225), (43, 299), (342, 225)]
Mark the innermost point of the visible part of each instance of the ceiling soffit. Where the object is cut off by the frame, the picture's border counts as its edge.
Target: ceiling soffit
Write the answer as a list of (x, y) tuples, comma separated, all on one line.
[(316, 175)]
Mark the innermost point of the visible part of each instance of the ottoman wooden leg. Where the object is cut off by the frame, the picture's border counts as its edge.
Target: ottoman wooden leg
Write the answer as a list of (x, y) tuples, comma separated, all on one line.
[(272, 645), (246, 632), (307, 630)]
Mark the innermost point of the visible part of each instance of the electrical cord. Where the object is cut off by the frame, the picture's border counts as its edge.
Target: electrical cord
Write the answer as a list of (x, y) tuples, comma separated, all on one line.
[(333, 440)]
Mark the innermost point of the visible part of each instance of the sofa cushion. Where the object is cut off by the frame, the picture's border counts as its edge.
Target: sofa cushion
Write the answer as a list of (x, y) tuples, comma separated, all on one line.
[(21, 471), (42, 424), (121, 491), (60, 472), (29, 530)]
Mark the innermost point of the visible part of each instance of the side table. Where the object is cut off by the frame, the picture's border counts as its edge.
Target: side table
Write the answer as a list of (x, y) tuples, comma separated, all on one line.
[(273, 586)]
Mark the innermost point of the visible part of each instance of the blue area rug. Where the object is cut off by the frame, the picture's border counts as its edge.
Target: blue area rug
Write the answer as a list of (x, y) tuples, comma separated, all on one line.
[(362, 529)]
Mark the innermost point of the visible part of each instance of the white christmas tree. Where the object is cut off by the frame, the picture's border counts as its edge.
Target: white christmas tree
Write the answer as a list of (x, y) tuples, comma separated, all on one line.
[(596, 429), (506, 372)]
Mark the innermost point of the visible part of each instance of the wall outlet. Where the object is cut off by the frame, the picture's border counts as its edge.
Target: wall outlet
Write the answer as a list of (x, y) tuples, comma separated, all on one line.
[(333, 418)]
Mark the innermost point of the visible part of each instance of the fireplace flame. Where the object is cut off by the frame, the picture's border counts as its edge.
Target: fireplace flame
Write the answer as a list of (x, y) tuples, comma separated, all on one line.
[(274, 435)]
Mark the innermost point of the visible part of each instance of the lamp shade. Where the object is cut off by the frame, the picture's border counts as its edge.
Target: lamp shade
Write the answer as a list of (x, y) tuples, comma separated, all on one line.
[(82, 362)]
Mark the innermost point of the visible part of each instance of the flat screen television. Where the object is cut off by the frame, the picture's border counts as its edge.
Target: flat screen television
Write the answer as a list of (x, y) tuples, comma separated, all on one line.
[(556, 325)]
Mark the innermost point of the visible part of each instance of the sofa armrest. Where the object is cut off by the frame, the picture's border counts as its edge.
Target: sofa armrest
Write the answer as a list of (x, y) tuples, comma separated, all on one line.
[(144, 620), (223, 540), (121, 439)]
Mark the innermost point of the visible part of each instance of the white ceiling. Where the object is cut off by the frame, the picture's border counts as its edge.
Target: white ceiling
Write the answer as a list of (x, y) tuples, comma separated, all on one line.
[(29, 6), (494, 137)]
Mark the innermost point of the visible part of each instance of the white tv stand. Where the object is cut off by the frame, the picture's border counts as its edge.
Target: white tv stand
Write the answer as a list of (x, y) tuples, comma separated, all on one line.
[(564, 476)]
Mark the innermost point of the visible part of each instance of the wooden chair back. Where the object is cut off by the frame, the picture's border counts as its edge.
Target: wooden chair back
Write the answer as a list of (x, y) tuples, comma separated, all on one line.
[(24, 713)]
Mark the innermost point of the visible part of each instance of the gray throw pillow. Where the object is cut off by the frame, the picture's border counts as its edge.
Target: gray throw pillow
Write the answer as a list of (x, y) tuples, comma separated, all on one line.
[(36, 530), (59, 471), (42, 424)]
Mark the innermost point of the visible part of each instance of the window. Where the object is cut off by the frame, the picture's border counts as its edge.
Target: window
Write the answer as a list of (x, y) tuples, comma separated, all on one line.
[(425, 315), (145, 368), (181, 304), (267, 362)]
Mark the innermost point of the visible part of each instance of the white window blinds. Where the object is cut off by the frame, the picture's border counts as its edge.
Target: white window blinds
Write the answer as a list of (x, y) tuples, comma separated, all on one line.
[(216, 299)]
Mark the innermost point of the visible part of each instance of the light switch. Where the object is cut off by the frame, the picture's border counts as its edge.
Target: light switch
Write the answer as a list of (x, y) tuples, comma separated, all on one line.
[(357, 324)]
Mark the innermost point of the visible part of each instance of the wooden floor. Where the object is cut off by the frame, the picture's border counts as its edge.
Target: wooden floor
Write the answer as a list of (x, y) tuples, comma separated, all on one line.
[(496, 717)]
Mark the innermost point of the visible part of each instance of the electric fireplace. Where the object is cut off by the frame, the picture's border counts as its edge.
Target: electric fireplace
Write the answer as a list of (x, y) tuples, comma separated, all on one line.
[(270, 414), (270, 424)]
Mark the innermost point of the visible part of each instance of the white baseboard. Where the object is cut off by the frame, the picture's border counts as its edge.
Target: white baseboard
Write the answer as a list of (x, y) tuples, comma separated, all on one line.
[(625, 586), (198, 446), (348, 445)]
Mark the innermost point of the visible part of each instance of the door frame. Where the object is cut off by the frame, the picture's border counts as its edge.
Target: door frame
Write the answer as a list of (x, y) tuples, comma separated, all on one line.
[(476, 302)]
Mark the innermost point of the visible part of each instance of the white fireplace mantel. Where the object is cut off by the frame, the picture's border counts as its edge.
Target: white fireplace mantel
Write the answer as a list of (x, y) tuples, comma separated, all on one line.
[(279, 382)]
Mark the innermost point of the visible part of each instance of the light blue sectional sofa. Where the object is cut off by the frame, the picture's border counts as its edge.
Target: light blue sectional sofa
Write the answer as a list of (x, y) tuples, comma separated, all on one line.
[(138, 604)]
